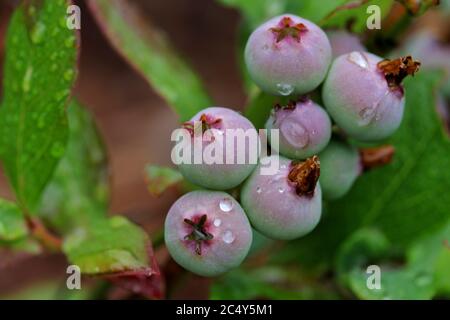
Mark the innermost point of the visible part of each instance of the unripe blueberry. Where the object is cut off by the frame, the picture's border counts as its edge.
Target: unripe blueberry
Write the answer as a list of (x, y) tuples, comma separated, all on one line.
[(304, 128), (288, 55), (223, 175), (364, 96), (207, 232), (288, 204), (340, 165), (343, 42)]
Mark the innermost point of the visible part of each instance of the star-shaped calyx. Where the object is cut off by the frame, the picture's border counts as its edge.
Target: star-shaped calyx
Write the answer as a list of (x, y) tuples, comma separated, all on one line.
[(288, 28), (198, 234)]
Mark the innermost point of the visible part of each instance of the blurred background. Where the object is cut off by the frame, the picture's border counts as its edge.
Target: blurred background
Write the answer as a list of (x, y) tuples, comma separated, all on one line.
[(136, 123)]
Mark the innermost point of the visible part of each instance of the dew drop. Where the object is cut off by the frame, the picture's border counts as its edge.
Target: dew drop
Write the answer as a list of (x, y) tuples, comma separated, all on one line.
[(281, 190), (285, 89), (228, 237), (54, 67), (57, 150), (26, 83), (69, 41), (38, 32), (294, 133), (68, 75), (358, 59), (258, 190), (217, 222), (226, 205), (366, 116)]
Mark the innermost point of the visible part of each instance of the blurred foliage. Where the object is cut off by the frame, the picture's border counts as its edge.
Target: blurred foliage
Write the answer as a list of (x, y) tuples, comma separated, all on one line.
[(160, 178), (396, 216), (33, 121), (152, 55)]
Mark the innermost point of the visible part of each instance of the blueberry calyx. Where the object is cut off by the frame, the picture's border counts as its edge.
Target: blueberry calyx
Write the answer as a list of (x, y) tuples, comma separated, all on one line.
[(396, 70), (287, 28), (198, 234), (304, 176)]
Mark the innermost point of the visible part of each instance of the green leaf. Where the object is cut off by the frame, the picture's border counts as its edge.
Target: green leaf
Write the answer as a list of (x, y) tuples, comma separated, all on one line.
[(419, 277), (79, 189), (12, 222), (152, 55), (108, 246), (406, 199), (268, 282), (39, 72), (159, 179)]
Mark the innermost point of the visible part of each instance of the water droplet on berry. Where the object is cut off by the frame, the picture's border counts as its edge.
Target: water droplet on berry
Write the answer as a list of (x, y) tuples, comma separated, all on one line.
[(228, 237), (366, 116), (281, 190), (217, 222), (258, 190), (226, 205), (358, 59), (294, 133), (285, 89)]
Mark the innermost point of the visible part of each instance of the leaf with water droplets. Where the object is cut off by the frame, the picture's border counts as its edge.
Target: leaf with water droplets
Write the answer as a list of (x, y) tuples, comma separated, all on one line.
[(151, 54), (12, 222), (419, 277), (78, 192), (119, 250), (33, 120)]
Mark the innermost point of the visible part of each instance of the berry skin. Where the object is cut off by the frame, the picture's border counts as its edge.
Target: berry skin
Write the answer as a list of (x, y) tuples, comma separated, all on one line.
[(215, 175), (343, 42), (340, 165), (288, 55), (364, 96), (304, 128), (207, 232), (286, 205)]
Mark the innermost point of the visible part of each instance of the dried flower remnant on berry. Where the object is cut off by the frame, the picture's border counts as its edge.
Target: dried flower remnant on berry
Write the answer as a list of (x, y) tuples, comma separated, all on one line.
[(396, 70), (207, 122), (376, 156), (304, 175), (198, 234), (287, 28)]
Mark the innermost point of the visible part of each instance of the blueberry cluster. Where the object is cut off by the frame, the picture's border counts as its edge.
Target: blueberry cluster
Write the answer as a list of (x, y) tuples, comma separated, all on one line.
[(209, 232)]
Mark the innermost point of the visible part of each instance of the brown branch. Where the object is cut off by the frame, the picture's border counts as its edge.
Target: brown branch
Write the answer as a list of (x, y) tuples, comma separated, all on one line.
[(38, 230)]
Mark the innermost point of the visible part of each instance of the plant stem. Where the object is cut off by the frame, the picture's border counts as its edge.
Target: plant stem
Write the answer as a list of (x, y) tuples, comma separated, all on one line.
[(43, 235)]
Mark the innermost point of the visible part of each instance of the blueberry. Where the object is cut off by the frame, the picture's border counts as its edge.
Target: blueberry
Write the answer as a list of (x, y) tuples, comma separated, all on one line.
[(219, 176), (343, 42), (288, 204), (340, 165), (288, 55), (364, 95), (304, 128), (207, 232)]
